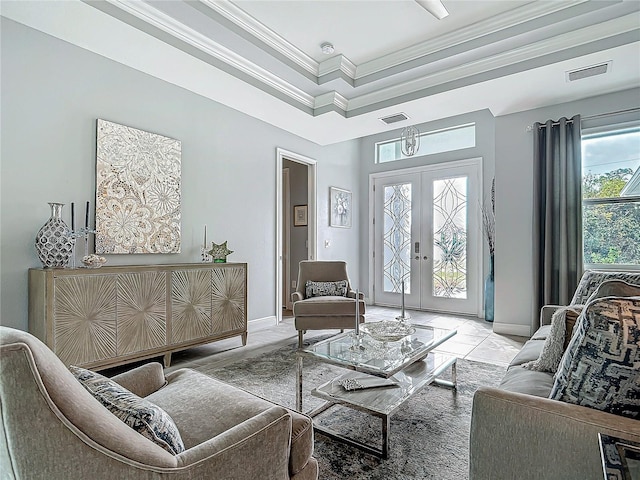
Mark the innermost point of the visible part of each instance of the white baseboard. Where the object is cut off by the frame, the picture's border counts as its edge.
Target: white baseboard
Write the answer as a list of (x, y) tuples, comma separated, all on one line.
[(271, 318), (512, 329)]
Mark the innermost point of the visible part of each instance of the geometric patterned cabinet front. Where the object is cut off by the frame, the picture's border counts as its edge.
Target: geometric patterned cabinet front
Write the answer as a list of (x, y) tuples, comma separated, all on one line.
[(99, 318)]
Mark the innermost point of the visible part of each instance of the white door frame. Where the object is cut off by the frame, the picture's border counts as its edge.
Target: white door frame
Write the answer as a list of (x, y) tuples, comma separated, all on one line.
[(286, 240), (312, 238), (474, 249)]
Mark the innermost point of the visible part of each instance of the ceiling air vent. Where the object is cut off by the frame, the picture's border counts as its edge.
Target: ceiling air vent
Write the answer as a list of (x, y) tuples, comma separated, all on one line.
[(600, 69), (397, 117)]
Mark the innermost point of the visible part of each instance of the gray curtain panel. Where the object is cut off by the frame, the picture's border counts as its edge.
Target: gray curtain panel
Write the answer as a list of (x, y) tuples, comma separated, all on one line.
[(557, 204)]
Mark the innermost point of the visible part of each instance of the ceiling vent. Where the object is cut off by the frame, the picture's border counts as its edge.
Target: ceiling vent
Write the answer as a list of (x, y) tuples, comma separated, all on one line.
[(600, 69), (395, 118)]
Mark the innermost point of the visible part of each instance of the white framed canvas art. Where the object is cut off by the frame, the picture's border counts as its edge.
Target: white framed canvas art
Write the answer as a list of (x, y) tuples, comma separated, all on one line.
[(137, 191), (340, 207)]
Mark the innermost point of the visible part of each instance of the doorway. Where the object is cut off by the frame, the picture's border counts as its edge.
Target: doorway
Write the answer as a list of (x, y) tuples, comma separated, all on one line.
[(427, 236), (296, 235)]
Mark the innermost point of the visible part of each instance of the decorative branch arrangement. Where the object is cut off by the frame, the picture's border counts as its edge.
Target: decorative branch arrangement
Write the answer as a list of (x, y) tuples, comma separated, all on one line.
[(489, 219)]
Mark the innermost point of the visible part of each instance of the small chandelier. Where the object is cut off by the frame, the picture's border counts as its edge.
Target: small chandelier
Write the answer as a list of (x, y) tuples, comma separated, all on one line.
[(410, 141)]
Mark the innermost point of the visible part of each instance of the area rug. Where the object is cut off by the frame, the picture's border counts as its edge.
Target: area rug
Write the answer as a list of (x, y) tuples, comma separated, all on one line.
[(429, 434)]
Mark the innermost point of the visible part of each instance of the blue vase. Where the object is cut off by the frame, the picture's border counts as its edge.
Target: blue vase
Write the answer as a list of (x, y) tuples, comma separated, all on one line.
[(489, 288)]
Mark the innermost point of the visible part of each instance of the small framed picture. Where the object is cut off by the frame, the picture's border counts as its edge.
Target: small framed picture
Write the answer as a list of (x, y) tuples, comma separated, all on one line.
[(300, 216), (340, 207)]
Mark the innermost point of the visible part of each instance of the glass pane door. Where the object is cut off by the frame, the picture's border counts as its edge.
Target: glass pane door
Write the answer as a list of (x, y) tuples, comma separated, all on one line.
[(450, 238), (427, 235), (397, 237)]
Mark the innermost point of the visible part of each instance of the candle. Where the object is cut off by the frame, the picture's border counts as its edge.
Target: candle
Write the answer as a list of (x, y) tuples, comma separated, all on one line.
[(86, 217), (73, 217), (402, 298), (357, 312), (205, 237)]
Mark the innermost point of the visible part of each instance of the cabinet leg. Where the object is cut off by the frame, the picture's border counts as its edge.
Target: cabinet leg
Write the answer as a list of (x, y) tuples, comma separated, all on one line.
[(244, 339), (167, 360)]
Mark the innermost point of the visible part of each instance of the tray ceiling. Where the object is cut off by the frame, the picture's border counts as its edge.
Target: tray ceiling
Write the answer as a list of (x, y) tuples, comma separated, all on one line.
[(264, 57)]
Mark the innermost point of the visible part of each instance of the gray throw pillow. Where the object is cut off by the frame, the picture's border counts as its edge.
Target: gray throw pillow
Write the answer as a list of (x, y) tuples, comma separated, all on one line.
[(143, 416), (615, 288), (591, 279), (323, 289), (601, 367)]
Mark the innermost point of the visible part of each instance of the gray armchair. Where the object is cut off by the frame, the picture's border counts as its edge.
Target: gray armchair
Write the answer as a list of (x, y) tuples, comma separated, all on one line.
[(52, 428), (324, 312)]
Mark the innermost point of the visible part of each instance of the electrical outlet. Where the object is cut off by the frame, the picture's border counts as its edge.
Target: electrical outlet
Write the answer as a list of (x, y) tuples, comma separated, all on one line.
[(327, 243), (294, 284)]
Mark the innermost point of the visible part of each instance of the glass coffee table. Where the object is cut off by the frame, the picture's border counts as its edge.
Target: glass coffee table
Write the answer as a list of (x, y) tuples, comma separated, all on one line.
[(410, 363)]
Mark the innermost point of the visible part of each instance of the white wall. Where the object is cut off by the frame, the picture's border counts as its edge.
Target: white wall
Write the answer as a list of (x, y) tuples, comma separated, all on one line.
[(52, 93), (514, 303)]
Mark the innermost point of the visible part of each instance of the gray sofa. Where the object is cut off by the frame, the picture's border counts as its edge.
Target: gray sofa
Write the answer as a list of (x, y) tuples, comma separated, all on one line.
[(518, 432), (52, 428)]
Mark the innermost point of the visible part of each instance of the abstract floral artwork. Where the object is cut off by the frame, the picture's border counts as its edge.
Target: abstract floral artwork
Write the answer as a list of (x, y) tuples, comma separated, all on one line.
[(340, 207), (137, 191)]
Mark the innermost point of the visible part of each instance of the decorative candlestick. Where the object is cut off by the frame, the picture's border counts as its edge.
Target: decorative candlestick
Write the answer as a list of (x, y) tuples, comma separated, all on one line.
[(204, 254), (403, 318), (357, 338), (204, 251), (357, 312)]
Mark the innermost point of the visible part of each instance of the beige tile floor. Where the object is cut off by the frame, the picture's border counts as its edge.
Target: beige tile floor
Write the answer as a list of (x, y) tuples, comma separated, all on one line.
[(475, 339)]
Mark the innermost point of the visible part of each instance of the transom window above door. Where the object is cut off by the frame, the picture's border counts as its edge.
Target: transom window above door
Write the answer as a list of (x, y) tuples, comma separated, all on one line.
[(435, 141)]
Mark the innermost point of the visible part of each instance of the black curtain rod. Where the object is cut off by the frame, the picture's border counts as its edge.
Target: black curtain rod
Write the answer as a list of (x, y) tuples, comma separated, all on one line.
[(619, 112), (590, 117)]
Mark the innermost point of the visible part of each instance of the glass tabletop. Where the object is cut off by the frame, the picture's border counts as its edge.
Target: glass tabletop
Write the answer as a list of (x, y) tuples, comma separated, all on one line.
[(620, 458), (374, 357)]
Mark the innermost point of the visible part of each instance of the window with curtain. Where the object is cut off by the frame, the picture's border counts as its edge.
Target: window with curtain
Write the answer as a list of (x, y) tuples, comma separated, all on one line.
[(611, 195)]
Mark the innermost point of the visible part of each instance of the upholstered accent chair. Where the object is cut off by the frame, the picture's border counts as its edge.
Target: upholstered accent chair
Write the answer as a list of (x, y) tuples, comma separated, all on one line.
[(320, 310), (52, 428)]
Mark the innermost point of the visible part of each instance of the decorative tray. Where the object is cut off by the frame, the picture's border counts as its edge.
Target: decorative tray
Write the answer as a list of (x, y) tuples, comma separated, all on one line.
[(387, 331)]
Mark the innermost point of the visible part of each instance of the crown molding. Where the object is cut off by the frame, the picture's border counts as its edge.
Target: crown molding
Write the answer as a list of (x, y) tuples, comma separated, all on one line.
[(355, 72), (160, 20), (331, 99), (601, 31), (478, 30), (264, 34), (338, 63), (334, 101)]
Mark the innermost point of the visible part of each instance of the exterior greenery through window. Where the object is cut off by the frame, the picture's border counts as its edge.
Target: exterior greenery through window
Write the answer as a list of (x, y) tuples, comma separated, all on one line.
[(611, 196)]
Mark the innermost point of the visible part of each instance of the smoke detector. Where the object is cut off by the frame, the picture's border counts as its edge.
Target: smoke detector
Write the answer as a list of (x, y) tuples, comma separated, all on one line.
[(327, 48)]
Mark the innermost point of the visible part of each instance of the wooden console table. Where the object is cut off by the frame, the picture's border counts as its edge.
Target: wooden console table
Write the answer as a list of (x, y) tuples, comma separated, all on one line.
[(99, 318)]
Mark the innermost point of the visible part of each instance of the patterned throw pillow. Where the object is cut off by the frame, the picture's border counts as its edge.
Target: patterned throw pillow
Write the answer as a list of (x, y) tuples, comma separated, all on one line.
[(143, 416), (591, 279), (601, 367), (323, 289)]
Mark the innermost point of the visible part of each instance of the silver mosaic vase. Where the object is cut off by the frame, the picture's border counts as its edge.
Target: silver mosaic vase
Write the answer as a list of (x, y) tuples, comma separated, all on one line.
[(54, 242)]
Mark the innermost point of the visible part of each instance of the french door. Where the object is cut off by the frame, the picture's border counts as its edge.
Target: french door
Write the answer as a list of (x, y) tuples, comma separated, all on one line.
[(427, 236)]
